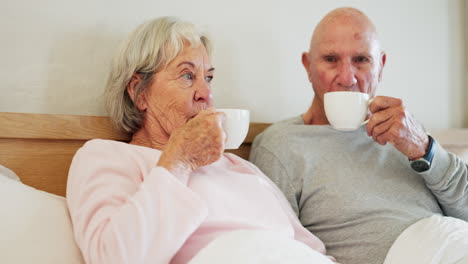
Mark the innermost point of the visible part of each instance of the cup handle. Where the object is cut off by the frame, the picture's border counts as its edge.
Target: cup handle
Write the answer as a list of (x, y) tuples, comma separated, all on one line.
[(367, 121)]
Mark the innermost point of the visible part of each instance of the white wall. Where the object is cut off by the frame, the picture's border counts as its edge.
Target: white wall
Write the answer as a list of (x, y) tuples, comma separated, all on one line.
[(457, 51), (465, 35), (55, 54)]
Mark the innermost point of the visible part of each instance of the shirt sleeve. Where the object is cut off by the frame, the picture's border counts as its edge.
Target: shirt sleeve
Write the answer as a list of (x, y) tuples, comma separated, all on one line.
[(448, 180), (120, 215)]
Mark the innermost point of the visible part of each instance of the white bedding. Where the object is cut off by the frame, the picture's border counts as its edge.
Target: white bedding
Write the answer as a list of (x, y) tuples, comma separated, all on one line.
[(34, 226), (257, 247), (433, 240), (5, 172)]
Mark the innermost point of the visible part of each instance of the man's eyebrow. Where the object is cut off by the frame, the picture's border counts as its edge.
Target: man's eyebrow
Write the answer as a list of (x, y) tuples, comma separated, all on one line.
[(364, 53), (329, 53), (211, 69)]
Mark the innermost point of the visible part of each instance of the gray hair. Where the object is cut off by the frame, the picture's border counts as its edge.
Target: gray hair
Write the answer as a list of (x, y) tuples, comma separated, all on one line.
[(146, 51)]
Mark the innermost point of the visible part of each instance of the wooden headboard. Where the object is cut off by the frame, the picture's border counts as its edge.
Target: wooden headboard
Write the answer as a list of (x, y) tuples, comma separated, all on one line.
[(40, 147)]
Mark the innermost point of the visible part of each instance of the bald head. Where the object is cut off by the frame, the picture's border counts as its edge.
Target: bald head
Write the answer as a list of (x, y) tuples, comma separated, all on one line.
[(346, 18)]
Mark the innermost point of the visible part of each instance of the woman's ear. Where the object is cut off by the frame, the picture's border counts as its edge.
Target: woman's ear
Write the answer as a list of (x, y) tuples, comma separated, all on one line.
[(132, 87)]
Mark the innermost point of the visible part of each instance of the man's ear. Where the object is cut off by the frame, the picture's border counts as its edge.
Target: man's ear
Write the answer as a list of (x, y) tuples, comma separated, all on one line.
[(306, 63), (131, 88), (383, 59)]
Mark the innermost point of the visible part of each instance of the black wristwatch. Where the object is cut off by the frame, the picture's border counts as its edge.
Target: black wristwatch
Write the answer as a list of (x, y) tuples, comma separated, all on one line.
[(423, 164)]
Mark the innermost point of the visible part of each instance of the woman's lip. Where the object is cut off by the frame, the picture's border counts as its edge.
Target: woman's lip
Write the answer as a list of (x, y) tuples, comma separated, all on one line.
[(194, 115)]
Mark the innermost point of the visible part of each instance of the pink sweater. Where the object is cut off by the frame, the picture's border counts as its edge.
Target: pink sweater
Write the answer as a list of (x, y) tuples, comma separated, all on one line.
[(124, 209)]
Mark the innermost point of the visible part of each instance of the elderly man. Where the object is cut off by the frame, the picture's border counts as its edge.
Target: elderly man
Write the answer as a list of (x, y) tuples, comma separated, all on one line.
[(353, 190)]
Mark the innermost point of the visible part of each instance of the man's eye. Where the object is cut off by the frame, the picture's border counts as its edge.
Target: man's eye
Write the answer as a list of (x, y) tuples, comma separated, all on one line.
[(187, 76), (209, 78), (361, 59), (330, 59)]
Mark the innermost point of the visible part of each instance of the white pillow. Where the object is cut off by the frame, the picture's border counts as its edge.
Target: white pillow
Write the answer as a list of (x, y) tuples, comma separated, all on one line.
[(435, 240), (35, 226), (5, 172)]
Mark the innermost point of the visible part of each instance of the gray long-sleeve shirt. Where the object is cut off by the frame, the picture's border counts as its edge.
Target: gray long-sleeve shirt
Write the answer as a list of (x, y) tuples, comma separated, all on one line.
[(354, 194)]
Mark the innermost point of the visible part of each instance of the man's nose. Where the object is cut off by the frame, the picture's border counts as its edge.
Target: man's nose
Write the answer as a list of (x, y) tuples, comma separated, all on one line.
[(203, 93), (346, 76)]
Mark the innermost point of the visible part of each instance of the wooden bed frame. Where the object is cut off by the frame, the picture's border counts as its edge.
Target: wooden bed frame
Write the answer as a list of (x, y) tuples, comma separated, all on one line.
[(40, 147)]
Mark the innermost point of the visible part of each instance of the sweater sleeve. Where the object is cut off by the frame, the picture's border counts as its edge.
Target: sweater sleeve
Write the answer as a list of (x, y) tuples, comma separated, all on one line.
[(120, 214), (272, 167), (448, 180), (300, 232)]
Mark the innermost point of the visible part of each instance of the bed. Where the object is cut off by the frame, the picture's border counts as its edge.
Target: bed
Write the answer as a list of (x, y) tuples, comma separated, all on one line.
[(38, 148)]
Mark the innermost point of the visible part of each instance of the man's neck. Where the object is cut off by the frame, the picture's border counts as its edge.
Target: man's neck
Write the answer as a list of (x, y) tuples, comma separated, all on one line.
[(316, 114)]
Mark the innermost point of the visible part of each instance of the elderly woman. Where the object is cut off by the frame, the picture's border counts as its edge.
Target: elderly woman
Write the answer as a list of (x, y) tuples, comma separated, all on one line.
[(171, 191)]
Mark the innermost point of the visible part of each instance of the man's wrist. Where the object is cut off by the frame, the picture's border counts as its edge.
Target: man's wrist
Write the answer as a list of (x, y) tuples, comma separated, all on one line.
[(424, 163), (423, 149)]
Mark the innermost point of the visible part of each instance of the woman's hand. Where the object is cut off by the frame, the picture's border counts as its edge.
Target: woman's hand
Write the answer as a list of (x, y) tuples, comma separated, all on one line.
[(198, 143)]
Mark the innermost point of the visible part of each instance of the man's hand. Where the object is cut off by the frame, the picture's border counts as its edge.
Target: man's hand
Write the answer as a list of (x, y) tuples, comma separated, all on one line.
[(390, 122)]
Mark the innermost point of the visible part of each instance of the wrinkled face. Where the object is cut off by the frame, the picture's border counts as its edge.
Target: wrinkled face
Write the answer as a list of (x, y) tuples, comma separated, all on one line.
[(181, 90), (344, 57)]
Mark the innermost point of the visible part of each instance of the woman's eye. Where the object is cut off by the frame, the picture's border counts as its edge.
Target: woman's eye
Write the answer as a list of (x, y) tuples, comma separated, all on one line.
[(209, 78), (187, 76)]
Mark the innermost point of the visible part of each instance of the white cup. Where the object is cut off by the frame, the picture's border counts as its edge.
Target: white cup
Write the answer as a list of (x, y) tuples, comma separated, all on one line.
[(236, 126), (346, 111)]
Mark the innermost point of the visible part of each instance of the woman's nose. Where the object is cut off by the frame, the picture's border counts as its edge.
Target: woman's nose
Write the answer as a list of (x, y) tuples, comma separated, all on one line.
[(203, 93)]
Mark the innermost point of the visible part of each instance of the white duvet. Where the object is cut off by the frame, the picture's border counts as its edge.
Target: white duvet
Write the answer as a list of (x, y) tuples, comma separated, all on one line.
[(433, 240), (257, 247)]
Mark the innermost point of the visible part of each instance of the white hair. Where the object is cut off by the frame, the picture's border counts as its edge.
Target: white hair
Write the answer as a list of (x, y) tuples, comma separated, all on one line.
[(147, 50)]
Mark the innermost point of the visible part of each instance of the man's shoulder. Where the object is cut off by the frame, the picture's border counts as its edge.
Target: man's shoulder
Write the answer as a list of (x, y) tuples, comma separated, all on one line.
[(278, 128), (277, 131), (292, 135)]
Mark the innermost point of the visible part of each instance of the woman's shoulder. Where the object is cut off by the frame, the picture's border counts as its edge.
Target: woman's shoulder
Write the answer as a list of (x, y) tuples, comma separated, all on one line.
[(99, 143), (110, 146), (104, 148), (111, 151), (101, 157)]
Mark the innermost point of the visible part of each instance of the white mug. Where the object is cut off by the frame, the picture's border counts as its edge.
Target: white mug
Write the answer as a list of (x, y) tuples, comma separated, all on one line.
[(346, 111), (236, 126)]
